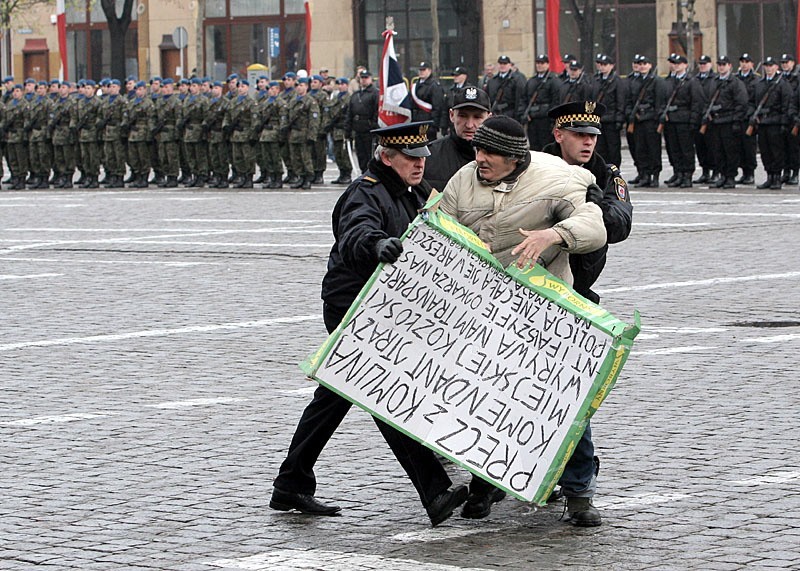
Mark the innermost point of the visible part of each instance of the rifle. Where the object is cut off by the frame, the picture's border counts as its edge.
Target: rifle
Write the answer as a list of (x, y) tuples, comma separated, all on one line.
[(752, 126), (709, 110), (534, 97), (665, 114), (497, 105), (631, 125)]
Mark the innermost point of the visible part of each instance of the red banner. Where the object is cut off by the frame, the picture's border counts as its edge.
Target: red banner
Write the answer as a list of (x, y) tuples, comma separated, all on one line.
[(308, 38), (552, 9), (61, 25)]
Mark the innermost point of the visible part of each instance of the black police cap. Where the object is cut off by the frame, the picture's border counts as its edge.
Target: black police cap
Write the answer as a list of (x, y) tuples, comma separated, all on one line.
[(409, 138), (578, 116)]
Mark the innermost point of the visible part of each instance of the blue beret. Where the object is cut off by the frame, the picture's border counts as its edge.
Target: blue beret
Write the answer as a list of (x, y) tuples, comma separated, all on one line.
[(342, 80), (289, 75), (196, 81), (303, 80), (184, 81), (156, 78), (244, 82), (132, 78), (30, 80), (43, 83), (105, 81), (262, 76), (168, 81), (55, 81), (317, 77), (115, 82), (274, 83), (233, 76), (17, 86), (81, 82), (8, 78), (90, 83), (217, 84), (140, 84), (206, 79), (66, 83)]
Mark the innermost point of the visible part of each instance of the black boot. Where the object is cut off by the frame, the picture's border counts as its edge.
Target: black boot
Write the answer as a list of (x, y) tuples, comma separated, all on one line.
[(81, 179), (222, 181), (262, 177), (32, 181), (637, 179), (654, 179), (686, 180), (718, 182), (247, 181), (41, 183), (201, 181), (703, 178), (18, 183), (115, 182), (276, 182), (171, 182), (776, 183), (92, 182), (767, 183), (307, 181), (318, 179), (792, 178), (188, 181), (129, 179), (644, 181), (182, 178), (729, 182), (675, 180), (290, 178), (67, 181), (59, 181), (298, 183)]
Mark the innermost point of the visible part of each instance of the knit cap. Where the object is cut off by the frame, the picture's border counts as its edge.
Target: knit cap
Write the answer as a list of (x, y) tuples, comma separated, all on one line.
[(502, 135)]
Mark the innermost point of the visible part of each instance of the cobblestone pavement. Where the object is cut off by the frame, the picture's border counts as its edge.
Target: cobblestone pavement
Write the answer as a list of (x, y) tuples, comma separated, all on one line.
[(149, 344)]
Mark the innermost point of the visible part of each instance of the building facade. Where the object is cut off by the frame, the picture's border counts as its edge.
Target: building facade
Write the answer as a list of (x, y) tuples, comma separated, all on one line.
[(217, 37)]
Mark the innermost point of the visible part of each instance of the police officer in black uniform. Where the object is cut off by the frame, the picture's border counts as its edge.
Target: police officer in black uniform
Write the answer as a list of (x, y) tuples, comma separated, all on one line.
[(504, 88), (609, 90), (644, 104), (577, 86), (428, 98), (362, 118), (768, 116), (704, 78), (749, 77), (540, 94), (368, 220), (678, 121), (791, 74)]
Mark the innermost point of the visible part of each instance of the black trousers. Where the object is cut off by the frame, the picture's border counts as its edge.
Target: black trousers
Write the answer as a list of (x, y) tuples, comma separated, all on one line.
[(680, 146), (749, 162), (771, 141), (540, 133), (704, 156), (364, 149), (648, 147), (609, 145), (792, 151), (322, 417), (725, 147)]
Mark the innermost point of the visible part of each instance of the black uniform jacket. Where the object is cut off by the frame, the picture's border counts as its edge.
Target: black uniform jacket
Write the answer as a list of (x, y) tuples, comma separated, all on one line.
[(376, 205), (448, 155), (617, 217)]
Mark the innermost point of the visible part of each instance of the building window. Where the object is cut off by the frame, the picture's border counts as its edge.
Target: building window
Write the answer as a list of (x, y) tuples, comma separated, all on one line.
[(766, 27), (238, 34)]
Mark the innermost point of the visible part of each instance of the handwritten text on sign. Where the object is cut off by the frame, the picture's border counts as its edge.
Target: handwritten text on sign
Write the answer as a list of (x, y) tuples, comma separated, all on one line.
[(467, 360)]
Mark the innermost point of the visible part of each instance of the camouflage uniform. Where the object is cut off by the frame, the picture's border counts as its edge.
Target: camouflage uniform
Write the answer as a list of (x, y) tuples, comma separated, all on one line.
[(113, 122), (217, 147), (62, 115), (193, 114), (283, 140), (319, 148), (271, 113), (39, 156), (303, 124), (168, 108), (141, 122), (16, 141), (334, 114), (86, 116), (239, 122)]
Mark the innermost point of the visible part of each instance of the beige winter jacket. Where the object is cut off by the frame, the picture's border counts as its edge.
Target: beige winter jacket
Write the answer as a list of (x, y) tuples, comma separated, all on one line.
[(549, 194)]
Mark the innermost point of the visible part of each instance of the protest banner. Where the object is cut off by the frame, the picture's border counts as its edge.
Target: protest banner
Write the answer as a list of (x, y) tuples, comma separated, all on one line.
[(497, 369)]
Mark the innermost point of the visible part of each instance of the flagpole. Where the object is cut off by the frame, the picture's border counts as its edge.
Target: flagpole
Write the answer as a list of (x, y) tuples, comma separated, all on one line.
[(394, 102)]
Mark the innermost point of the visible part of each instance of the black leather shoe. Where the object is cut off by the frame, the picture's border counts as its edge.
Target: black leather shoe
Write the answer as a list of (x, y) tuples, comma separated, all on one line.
[(443, 505), (581, 512), (478, 506), (304, 503)]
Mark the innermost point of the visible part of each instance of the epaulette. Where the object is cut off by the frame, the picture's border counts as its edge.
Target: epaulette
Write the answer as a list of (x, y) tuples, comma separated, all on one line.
[(369, 180), (613, 169)]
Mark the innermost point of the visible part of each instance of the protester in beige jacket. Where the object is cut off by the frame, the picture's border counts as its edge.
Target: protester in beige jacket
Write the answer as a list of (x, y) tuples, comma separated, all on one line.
[(525, 205)]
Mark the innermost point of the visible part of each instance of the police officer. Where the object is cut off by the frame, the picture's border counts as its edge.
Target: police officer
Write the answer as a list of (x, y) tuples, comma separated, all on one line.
[(541, 92), (239, 124), (749, 78), (61, 116), (368, 220), (633, 82), (724, 116), (704, 78), (362, 118), (505, 88), (334, 115), (195, 108), (577, 86), (141, 123), (644, 104), (428, 98), (460, 77), (679, 119), (303, 122), (791, 74), (768, 115), (217, 146), (609, 89), (271, 114)]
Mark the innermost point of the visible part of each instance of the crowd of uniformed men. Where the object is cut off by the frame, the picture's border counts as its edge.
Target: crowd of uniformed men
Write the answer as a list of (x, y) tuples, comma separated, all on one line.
[(200, 132)]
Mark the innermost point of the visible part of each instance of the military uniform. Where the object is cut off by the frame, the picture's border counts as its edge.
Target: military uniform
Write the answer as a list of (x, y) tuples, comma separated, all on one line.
[(86, 117), (16, 141), (334, 115), (303, 120), (706, 83), (319, 148), (541, 92), (578, 89), (610, 91), (727, 114), (362, 118), (61, 116), (749, 151), (141, 121), (283, 140), (504, 92), (271, 115), (679, 120), (112, 123), (772, 124), (217, 146), (239, 124), (644, 105), (193, 114), (168, 110), (792, 168), (39, 149), (428, 98)]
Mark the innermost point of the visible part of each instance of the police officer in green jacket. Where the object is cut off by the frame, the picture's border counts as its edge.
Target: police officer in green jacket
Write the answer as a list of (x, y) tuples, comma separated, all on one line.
[(303, 119), (239, 124), (217, 146), (195, 107), (15, 137), (141, 122), (62, 115)]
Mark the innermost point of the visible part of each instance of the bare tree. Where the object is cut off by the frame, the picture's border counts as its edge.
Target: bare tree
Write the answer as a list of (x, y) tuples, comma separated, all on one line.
[(117, 30), (584, 14)]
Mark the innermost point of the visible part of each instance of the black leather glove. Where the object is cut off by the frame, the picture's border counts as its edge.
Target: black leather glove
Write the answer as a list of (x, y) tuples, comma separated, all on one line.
[(594, 194), (389, 250)]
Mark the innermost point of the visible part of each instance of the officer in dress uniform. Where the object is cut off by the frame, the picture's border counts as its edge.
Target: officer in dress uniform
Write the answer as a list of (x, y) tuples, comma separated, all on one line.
[(679, 119), (362, 118), (704, 78), (541, 93), (368, 220), (644, 105), (428, 98), (334, 115), (505, 88), (577, 86), (609, 89), (749, 77), (791, 74), (460, 77), (773, 94)]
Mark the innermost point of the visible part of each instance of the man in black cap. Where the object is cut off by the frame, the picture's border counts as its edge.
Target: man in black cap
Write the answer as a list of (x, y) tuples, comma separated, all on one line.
[(428, 98), (362, 118), (791, 74), (577, 86), (460, 77), (540, 94), (368, 220), (545, 219), (748, 164), (679, 119), (768, 115), (470, 109), (609, 90), (504, 88), (566, 59), (644, 104), (723, 117), (704, 78), (577, 127)]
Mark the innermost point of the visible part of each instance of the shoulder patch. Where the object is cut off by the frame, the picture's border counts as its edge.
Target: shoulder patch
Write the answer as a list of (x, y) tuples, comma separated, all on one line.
[(621, 188)]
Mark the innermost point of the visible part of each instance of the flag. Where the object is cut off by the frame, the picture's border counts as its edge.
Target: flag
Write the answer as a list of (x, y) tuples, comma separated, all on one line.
[(61, 24), (551, 31), (308, 36), (394, 103)]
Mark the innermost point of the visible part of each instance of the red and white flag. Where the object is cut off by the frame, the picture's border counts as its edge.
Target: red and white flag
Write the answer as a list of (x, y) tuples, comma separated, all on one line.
[(394, 102), (61, 25)]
